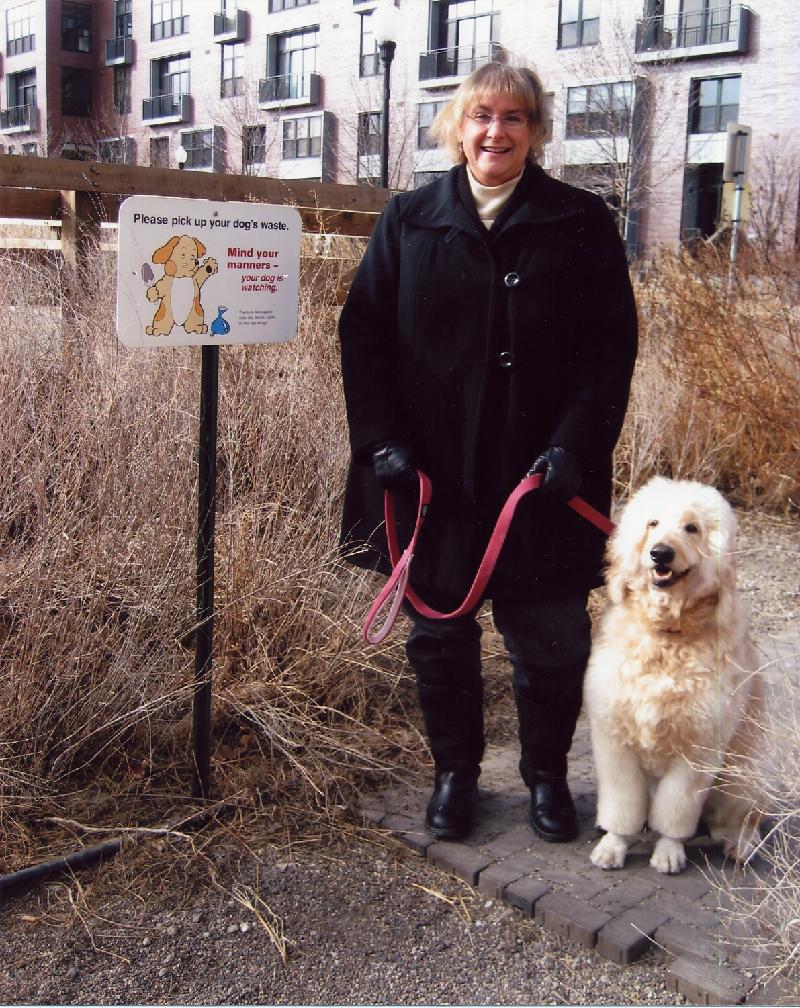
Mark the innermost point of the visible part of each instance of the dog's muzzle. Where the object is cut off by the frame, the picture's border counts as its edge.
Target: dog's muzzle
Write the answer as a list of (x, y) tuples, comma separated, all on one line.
[(663, 575)]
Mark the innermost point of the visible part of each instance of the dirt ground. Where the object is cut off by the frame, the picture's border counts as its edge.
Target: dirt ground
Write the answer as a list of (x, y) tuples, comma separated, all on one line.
[(336, 916)]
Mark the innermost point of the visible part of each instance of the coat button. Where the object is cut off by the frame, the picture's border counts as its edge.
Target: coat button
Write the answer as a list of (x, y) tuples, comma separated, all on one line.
[(506, 359), (511, 279)]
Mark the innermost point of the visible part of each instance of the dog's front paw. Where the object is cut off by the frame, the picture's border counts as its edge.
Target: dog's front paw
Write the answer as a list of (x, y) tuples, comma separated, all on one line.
[(669, 857), (152, 293), (210, 265), (609, 852)]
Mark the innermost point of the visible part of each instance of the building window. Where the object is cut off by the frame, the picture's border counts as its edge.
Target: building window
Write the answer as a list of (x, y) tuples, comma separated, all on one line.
[(302, 138), (297, 53), (76, 91), (466, 33), (254, 145), (159, 152), (20, 32), (171, 77), (22, 89), (232, 82), (599, 110), (199, 146), (123, 19), (703, 22), (281, 5), (122, 90), (368, 62), (578, 23), (76, 27), (167, 19), (426, 113), (713, 104), (116, 151), (368, 144)]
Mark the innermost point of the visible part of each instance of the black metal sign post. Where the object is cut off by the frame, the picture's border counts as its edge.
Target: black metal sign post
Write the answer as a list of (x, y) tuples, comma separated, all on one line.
[(206, 516), (164, 239)]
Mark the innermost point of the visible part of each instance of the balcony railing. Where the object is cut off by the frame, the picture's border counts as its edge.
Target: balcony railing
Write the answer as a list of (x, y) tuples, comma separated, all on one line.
[(19, 118), (166, 108), (230, 27), (458, 61), (290, 89), (119, 51), (714, 32)]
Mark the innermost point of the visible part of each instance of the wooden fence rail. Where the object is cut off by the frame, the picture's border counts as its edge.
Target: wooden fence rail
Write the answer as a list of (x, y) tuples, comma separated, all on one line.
[(84, 194)]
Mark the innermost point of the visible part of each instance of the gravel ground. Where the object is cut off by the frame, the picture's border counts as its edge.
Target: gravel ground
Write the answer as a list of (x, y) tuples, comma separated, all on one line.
[(355, 922)]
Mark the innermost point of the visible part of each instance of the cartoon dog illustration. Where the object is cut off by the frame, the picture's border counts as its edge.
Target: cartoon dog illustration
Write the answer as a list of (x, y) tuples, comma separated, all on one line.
[(178, 291)]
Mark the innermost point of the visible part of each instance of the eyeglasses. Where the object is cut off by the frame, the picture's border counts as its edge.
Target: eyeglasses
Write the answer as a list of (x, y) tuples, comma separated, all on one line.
[(512, 121)]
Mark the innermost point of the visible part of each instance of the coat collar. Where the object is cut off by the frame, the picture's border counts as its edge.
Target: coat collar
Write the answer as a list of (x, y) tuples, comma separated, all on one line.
[(538, 199)]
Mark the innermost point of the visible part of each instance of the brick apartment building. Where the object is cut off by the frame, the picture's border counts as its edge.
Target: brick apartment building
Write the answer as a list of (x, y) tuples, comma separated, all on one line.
[(641, 92)]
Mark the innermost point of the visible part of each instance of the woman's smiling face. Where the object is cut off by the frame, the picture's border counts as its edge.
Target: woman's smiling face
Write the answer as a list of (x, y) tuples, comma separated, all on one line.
[(497, 148)]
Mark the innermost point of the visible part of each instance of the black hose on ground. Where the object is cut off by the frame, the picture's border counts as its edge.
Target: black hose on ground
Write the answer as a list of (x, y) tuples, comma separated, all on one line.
[(17, 882)]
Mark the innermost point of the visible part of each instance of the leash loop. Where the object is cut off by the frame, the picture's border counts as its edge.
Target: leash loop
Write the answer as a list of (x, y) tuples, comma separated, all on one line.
[(397, 587)]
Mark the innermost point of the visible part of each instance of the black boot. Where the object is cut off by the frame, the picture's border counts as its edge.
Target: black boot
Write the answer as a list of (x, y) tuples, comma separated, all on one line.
[(449, 812), (447, 663), (547, 720), (553, 815)]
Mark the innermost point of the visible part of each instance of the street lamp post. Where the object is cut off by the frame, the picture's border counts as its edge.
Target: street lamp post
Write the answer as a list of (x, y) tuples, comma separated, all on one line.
[(385, 22), (181, 156)]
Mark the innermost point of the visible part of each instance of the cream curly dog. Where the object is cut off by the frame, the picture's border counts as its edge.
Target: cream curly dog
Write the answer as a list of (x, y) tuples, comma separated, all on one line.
[(178, 291), (673, 690)]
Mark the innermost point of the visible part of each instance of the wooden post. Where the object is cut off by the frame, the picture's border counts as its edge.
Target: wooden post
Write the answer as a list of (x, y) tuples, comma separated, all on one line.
[(80, 227)]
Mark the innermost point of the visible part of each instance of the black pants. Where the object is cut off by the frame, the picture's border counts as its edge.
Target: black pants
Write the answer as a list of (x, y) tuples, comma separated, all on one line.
[(548, 643)]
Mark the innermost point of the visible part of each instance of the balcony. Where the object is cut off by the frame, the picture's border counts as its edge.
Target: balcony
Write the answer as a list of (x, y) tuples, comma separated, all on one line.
[(163, 109), (19, 119), (230, 27), (289, 91), (119, 51), (696, 35), (448, 67)]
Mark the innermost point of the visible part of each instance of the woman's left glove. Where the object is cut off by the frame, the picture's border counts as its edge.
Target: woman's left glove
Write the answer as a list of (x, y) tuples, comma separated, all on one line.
[(560, 471), (395, 465)]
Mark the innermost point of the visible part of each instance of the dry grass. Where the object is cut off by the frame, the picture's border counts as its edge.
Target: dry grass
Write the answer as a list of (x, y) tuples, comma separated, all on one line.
[(97, 595), (97, 537), (713, 397)]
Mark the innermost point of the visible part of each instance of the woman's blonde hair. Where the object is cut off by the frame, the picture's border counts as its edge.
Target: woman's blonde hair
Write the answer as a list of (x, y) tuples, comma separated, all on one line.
[(488, 81)]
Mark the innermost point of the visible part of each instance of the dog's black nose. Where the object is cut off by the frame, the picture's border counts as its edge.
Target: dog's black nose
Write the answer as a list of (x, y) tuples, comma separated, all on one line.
[(662, 554)]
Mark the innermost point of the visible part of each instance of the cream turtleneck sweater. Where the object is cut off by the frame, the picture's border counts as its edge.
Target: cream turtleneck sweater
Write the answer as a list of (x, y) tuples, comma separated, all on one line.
[(490, 200)]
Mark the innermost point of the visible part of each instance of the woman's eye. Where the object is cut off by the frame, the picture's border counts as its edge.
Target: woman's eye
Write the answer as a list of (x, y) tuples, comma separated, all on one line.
[(691, 527), (653, 523)]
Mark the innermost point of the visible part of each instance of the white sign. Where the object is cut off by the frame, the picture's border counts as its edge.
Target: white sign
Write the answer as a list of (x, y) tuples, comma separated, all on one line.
[(196, 272)]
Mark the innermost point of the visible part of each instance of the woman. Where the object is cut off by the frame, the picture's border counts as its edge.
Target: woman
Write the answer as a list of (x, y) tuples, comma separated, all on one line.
[(490, 331)]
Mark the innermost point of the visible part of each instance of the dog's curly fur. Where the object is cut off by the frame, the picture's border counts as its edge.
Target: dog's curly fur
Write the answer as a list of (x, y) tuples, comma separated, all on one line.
[(673, 690)]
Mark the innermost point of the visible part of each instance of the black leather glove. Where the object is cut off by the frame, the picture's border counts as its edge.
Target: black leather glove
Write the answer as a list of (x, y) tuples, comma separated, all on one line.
[(560, 471), (394, 465)]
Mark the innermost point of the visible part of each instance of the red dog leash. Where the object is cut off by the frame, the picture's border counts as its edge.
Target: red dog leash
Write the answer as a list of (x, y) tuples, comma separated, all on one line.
[(397, 587)]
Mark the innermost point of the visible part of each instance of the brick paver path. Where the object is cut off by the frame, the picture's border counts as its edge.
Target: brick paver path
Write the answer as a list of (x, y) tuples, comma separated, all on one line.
[(619, 913)]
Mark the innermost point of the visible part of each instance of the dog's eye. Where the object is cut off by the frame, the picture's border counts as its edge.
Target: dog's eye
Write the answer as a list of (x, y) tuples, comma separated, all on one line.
[(691, 527), (653, 523)]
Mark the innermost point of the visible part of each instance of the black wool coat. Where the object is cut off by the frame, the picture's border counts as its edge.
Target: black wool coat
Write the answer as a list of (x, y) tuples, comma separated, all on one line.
[(481, 349)]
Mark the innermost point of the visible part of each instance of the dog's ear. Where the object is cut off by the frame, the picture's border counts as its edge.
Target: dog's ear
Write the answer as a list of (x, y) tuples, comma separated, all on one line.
[(161, 255), (201, 249), (722, 539), (625, 545), (616, 578)]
